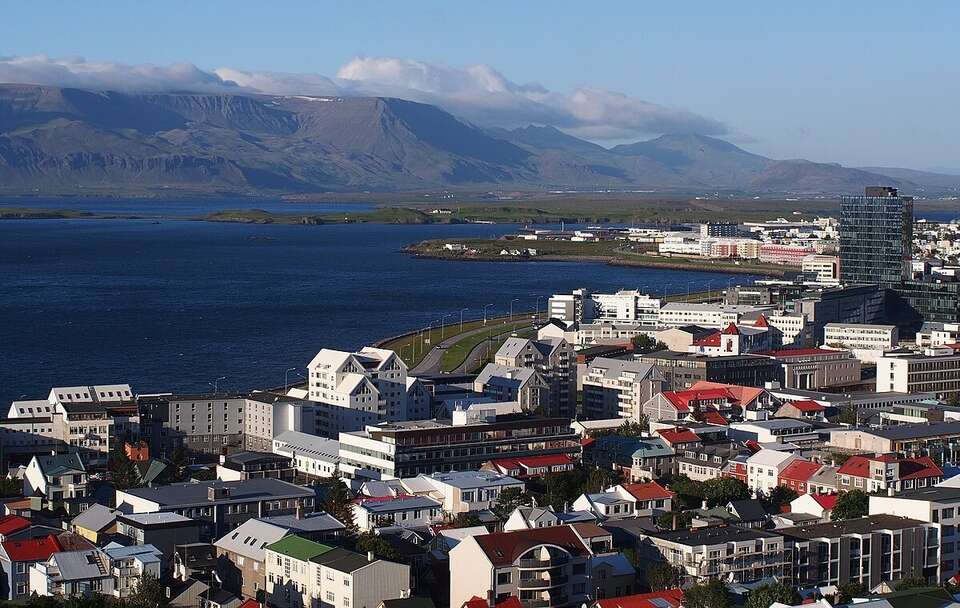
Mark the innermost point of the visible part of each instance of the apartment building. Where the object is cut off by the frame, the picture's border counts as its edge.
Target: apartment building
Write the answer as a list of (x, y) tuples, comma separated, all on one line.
[(701, 463), (908, 439), (371, 379), (220, 505), (548, 567), (866, 342), (733, 554), (205, 424), (618, 388), (403, 511), (73, 574), (240, 466), (870, 550), (776, 430), (624, 307), (938, 506), (163, 530), (717, 316), (683, 370), (555, 361), (525, 386), (471, 438), (815, 368), (888, 473), (270, 414), (935, 370), (932, 334), (302, 574), (462, 491)]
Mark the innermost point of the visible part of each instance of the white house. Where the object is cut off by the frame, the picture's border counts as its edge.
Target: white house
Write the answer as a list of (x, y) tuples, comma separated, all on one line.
[(764, 467)]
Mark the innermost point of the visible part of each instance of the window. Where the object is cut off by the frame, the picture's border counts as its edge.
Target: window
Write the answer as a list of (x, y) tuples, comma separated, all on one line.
[(330, 596), (504, 578)]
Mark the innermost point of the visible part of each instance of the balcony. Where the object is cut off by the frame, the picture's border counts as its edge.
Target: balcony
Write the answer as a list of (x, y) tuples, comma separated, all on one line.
[(558, 560), (542, 583)]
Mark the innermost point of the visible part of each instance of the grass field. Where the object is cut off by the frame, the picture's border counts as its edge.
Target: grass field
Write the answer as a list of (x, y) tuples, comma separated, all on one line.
[(456, 354), (412, 348)]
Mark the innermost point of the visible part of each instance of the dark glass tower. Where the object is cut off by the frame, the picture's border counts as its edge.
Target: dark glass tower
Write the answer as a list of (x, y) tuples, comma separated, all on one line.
[(876, 236)]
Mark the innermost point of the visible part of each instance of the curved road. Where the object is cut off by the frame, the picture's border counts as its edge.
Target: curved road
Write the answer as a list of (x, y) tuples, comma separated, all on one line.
[(430, 364)]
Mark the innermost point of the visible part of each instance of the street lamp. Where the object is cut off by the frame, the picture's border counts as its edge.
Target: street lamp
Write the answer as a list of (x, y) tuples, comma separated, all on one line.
[(511, 307), (462, 310), (286, 374), (538, 308), (485, 307), (449, 314), (216, 384)]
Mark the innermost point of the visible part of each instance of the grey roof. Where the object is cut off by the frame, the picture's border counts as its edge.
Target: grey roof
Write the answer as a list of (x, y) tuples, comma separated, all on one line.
[(399, 503), (504, 375), (95, 518), (514, 347), (81, 565), (935, 494), (473, 479), (861, 525), (915, 431), (613, 368), (58, 464), (310, 522), (250, 537), (748, 510), (342, 560), (149, 520), (144, 553), (195, 493), (310, 445), (649, 447), (253, 457), (714, 535)]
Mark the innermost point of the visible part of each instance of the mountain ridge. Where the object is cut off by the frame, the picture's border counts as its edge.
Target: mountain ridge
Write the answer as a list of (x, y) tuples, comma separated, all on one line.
[(61, 141)]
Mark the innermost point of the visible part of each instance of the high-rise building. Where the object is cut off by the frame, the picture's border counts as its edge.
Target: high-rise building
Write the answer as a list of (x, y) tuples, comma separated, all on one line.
[(876, 232)]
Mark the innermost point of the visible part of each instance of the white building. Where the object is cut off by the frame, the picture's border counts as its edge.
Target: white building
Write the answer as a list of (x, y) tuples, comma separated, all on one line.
[(55, 477), (372, 380), (619, 388), (764, 467), (718, 316), (826, 268), (402, 511), (462, 491), (866, 342), (311, 455), (935, 370)]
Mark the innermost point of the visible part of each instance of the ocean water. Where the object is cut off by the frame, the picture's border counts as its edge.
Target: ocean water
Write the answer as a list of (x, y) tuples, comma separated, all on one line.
[(173, 305), (182, 208)]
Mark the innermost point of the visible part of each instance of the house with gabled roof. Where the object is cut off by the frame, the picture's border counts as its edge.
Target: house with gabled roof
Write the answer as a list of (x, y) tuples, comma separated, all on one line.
[(371, 379), (73, 574), (525, 467), (797, 474), (504, 383), (241, 554), (626, 500), (818, 505), (16, 557), (55, 477), (884, 472)]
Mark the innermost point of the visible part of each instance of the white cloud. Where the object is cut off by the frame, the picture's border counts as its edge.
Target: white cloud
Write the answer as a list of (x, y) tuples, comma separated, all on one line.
[(477, 93)]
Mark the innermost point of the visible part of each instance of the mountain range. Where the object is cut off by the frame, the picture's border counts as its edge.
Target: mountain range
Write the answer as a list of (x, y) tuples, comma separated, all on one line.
[(67, 141)]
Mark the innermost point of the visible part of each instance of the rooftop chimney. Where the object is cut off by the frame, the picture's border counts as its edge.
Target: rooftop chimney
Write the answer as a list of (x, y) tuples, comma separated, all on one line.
[(370, 557)]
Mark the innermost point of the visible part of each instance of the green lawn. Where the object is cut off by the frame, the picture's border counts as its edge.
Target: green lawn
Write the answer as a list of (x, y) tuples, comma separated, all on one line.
[(413, 348), (456, 354)]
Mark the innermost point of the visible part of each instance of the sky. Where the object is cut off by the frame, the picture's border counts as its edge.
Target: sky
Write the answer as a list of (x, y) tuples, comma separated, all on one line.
[(860, 83)]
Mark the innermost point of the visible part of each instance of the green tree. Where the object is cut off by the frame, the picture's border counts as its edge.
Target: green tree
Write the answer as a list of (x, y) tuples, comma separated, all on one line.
[(10, 486), (123, 472), (204, 475), (712, 594), (466, 520), (777, 498), (645, 343), (599, 480), (339, 504), (912, 582), (847, 591), (682, 519), (764, 597), (633, 429), (851, 505), (661, 575), (847, 415), (508, 500), (721, 490), (178, 462), (381, 548), (150, 593), (689, 492)]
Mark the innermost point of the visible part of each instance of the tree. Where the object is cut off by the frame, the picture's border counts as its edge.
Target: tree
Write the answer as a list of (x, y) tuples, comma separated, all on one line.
[(779, 496), (645, 343), (712, 594), (689, 492), (634, 429), (675, 520), (508, 500), (339, 504), (721, 490), (847, 591), (466, 520), (381, 548), (764, 597), (204, 475), (848, 414), (850, 505), (912, 582), (123, 472), (661, 575), (599, 480), (10, 486), (150, 593)]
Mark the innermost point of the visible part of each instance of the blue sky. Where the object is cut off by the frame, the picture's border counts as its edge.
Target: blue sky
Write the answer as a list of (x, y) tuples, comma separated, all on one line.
[(861, 83)]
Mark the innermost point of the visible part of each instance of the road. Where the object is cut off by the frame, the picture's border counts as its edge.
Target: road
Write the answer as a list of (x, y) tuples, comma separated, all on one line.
[(430, 364)]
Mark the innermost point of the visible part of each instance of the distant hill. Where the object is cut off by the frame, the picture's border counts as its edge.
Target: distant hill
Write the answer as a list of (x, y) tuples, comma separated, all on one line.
[(928, 180), (66, 141)]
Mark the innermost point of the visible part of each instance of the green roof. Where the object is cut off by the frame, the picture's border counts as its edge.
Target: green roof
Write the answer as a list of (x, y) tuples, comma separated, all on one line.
[(298, 548)]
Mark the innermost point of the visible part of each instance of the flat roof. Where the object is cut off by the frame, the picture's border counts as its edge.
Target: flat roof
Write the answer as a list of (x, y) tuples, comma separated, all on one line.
[(193, 493), (713, 535), (862, 525)]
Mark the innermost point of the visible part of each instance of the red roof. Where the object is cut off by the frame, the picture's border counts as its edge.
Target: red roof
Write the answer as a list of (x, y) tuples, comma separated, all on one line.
[(731, 330), (479, 602), (752, 445), (711, 340), (807, 405), (857, 466), (678, 435), (650, 490), (682, 400), (908, 468), (714, 417), (917, 468), (502, 548), (800, 470), (31, 549), (827, 501), (742, 395), (552, 460), (761, 322), (13, 523), (672, 597), (249, 604)]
